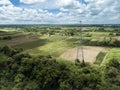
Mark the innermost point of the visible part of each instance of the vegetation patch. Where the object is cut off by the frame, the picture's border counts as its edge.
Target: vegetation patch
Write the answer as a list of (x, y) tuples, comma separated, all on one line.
[(114, 53), (99, 58), (54, 48), (24, 72), (32, 44)]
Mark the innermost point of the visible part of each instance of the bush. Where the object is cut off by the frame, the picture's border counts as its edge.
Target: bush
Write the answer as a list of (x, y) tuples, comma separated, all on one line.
[(110, 43), (117, 34), (9, 51), (7, 38), (112, 73)]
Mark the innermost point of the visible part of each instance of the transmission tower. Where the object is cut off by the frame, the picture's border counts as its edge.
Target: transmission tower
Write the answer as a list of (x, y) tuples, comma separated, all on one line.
[(80, 53)]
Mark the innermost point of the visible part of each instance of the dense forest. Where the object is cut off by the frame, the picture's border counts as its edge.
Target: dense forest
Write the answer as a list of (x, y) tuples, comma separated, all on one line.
[(21, 71)]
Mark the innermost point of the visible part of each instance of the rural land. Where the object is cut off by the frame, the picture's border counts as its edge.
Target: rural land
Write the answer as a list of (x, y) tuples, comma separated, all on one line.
[(60, 57)]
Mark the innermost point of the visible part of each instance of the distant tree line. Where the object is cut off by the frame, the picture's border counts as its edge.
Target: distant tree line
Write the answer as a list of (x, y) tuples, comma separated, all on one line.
[(110, 43)]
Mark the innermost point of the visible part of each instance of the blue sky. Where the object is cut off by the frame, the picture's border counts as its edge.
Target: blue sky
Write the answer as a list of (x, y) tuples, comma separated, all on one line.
[(59, 11)]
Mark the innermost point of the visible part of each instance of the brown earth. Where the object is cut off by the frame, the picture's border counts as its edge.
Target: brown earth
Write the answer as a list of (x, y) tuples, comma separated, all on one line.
[(90, 53)]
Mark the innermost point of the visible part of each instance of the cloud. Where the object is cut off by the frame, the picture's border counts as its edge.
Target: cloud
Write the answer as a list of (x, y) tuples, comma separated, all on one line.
[(68, 11), (64, 2), (31, 1), (5, 2)]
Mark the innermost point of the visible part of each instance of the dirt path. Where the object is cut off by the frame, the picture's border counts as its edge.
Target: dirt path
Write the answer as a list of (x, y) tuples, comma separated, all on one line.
[(90, 53)]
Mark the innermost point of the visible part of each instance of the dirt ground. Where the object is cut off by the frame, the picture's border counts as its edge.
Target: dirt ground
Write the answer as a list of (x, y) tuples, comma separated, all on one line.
[(90, 53)]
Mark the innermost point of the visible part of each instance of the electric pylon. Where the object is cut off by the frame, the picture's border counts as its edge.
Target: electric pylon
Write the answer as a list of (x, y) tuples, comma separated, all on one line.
[(80, 52)]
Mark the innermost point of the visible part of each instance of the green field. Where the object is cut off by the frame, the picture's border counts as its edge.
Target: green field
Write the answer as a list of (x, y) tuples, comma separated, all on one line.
[(55, 40), (55, 45), (114, 53)]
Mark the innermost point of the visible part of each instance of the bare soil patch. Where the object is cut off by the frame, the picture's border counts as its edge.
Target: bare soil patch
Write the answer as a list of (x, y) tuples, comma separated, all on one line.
[(90, 53)]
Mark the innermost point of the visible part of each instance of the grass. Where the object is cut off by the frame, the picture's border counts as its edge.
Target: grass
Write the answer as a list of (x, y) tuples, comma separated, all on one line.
[(32, 44), (62, 61), (3, 33), (2, 43), (114, 53), (13, 34), (8, 29), (99, 58), (54, 46)]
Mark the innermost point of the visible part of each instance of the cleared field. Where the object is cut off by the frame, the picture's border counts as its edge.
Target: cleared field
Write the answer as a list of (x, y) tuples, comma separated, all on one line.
[(90, 53)]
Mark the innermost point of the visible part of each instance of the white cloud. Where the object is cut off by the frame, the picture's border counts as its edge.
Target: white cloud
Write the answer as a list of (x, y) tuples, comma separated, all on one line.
[(64, 2), (69, 11), (5, 2), (32, 1)]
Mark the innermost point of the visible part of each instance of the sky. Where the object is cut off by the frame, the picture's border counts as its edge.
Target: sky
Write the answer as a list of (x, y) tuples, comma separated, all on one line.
[(59, 11)]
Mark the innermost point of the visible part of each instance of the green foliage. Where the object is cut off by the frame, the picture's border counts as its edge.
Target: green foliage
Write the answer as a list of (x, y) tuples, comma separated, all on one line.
[(114, 63), (6, 38), (111, 33), (112, 74), (113, 54), (101, 29), (45, 73), (106, 42), (32, 44), (77, 62), (117, 34), (69, 32), (88, 35), (20, 71), (9, 51)]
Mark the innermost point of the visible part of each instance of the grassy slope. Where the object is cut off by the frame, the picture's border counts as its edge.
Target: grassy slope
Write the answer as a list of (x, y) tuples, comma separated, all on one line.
[(99, 58), (32, 44), (13, 34), (113, 53), (55, 46), (99, 35)]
